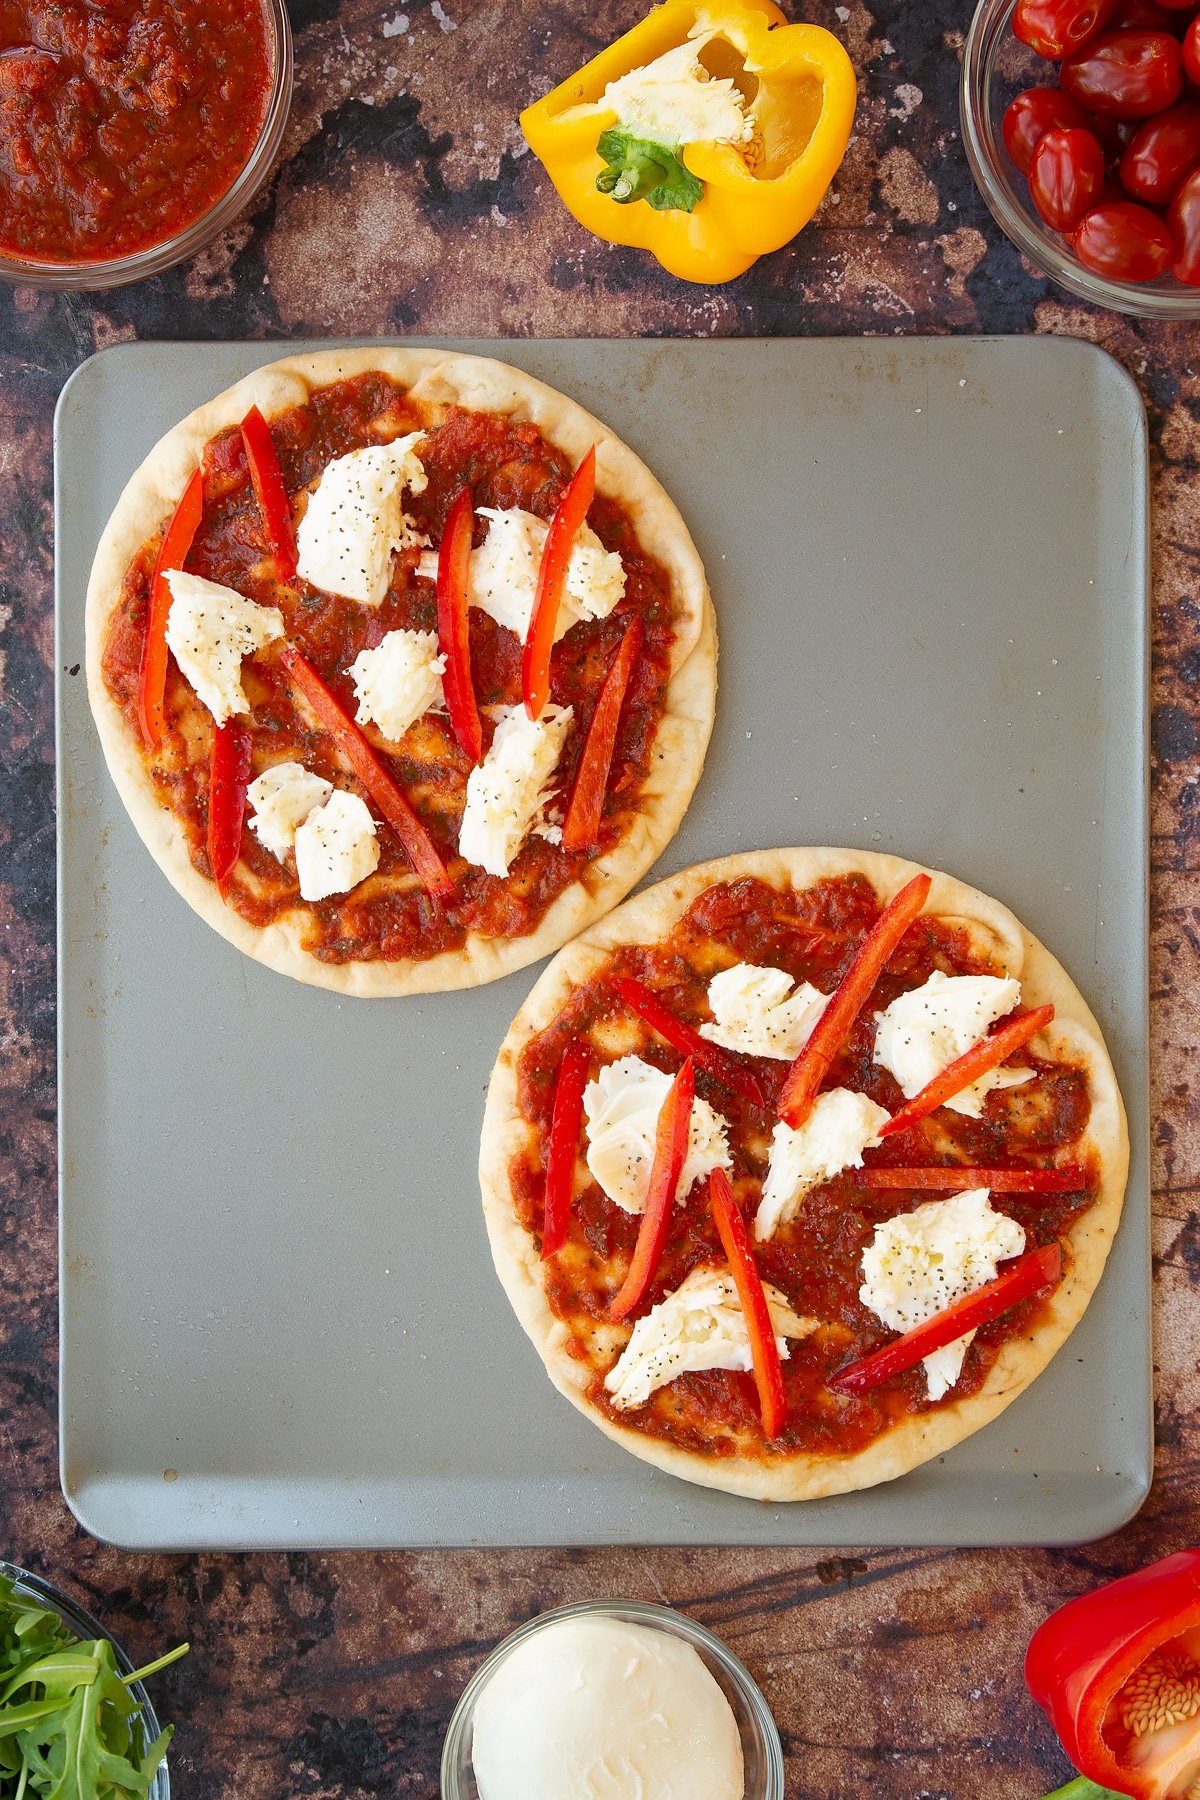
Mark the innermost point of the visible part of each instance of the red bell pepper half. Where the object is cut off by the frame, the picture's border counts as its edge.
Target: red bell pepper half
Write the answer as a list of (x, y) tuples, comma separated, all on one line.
[(764, 1351), (229, 777), (564, 1144), (552, 579), (1117, 1674), (454, 559), (712, 1058), (415, 840), (581, 827), (833, 1027), (987, 1054), (670, 1153), (1024, 1277), (275, 509), (1069, 1179), (172, 554)]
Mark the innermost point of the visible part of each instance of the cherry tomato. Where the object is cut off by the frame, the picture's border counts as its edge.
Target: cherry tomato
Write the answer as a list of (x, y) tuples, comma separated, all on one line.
[(1161, 152), (1056, 27), (1184, 220), (1123, 242), (1031, 115), (1191, 51), (1130, 74), (1179, 5), (1143, 15), (1066, 177)]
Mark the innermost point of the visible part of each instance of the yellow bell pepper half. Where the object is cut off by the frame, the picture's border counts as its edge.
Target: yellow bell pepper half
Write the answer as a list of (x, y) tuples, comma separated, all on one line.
[(798, 86)]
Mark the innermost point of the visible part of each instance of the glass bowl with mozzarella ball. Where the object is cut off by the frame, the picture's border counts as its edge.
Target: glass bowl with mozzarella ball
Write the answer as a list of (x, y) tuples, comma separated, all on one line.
[(996, 67), (462, 1778)]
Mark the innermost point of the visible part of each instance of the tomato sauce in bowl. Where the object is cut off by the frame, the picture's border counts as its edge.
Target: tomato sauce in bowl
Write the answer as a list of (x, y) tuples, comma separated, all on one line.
[(131, 131)]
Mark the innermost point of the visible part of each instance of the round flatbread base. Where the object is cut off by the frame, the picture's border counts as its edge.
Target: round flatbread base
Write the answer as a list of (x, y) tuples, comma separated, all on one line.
[(439, 380), (1074, 1034)]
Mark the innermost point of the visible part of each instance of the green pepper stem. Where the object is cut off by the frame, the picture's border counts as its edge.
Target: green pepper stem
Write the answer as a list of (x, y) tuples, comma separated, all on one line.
[(1083, 1789)]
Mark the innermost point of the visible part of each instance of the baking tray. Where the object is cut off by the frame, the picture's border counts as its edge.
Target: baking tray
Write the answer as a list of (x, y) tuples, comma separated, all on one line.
[(280, 1324)]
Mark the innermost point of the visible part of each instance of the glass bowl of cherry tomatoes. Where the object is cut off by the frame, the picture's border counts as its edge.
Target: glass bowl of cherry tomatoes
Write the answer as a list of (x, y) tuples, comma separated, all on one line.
[(1081, 120)]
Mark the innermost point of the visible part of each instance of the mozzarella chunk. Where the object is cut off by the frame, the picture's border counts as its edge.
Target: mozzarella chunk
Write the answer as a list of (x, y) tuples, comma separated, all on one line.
[(356, 520), (336, 847), (926, 1029), (841, 1125), (621, 1107), (282, 798), (757, 1012), (507, 791), (700, 1326), (502, 574), (209, 629), (673, 100), (398, 680), (922, 1261)]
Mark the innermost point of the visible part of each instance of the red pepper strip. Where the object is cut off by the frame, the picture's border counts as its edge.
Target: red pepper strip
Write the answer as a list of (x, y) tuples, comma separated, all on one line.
[(1082, 1656), (564, 1144), (581, 827), (1036, 1269), (269, 491), (713, 1058), (1069, 1179), (670, 1152), (833, 1027), (417, 844), (172, 554), (229, 777), (987, 1054), (764, 1351), (453, 636), (552, 578)]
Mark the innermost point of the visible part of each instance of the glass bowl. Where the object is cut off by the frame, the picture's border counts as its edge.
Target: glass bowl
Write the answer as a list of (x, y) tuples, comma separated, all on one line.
[(996, 66), (85, 1626), (119, 270), (762, 1752)]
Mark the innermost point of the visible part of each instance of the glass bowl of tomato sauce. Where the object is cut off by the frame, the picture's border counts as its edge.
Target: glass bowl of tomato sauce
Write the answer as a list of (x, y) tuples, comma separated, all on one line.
[(133, 133), (997, 67)]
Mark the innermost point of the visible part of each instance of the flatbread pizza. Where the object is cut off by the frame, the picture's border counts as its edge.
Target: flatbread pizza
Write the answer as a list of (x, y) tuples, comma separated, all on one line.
[(382, 737), (799, 1167)]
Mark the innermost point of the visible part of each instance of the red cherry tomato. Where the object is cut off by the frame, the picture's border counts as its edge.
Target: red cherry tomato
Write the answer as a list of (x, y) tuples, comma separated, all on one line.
[(1066, 177), (1130, 74), (1184, 220), (1123, 242), (1191, 51), (1179, 5), (1056, 27), (1161, 152), (1143, 15), (1031, 115)]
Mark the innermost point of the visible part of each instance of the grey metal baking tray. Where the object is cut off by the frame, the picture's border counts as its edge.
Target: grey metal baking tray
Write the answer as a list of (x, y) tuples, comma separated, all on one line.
[(280, 1324)]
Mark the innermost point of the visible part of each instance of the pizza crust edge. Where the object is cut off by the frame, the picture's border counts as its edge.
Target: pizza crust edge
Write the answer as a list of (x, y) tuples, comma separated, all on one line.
[(439, 377), (915, 1440)]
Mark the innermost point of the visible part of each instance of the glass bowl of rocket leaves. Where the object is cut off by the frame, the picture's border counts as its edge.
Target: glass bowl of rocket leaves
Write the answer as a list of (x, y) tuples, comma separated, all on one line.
[(76, 1722)]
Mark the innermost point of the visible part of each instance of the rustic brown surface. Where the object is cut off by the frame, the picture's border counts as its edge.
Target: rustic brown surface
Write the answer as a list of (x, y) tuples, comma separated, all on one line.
[(404, 202)]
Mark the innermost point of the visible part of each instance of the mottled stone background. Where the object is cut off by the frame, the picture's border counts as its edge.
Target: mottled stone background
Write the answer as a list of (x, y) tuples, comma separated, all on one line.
[(404, 201)]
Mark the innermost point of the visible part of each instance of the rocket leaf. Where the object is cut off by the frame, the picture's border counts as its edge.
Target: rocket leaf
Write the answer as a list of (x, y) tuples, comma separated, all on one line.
[(69, 1727)]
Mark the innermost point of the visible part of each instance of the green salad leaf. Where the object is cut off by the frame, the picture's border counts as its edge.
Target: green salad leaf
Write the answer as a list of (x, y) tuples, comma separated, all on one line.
[(69, 1727), (639, 169)]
